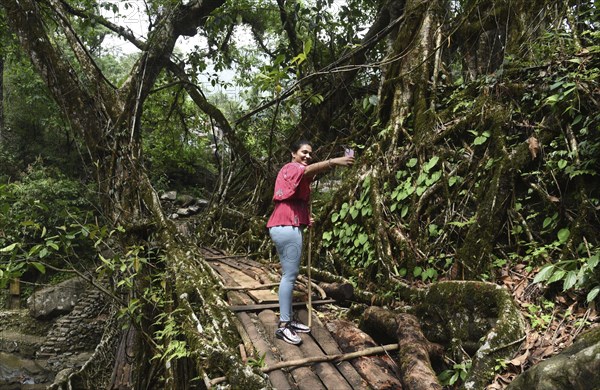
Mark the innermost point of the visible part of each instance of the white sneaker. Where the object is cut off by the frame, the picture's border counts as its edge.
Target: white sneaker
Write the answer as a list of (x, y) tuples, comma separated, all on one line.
[(287, 334), (299, 327)]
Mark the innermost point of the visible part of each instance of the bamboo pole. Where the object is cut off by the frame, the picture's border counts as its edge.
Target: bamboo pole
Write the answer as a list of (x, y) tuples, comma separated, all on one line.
[(309, 304), (319, 359), (257, 287), (332, 358)]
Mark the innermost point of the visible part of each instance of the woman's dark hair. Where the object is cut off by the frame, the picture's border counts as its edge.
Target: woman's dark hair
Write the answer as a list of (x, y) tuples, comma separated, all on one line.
[(298, 144)]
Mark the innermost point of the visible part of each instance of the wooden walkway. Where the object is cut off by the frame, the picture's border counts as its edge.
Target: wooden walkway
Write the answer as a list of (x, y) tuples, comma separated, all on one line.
[(252, 295)]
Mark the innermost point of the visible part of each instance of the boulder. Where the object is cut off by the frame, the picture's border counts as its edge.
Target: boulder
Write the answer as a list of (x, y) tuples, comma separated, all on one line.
[(169, 195), (16, 372), (577, 367), (53, 301)]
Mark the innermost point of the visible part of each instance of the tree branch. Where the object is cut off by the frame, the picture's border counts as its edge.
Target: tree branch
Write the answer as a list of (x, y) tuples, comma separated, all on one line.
[(196, 94)]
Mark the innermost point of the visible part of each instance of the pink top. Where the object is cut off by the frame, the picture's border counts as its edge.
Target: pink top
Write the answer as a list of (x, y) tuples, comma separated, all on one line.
[(291, 196)]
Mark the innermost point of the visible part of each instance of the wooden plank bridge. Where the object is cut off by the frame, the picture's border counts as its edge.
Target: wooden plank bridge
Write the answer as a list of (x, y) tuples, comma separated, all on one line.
[(319, 362)]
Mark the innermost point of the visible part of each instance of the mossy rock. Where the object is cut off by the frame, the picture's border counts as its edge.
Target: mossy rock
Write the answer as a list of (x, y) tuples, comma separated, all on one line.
[(577, 367)]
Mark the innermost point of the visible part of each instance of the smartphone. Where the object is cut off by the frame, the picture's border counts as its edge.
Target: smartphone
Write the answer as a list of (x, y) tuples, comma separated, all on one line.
[(348, 152)]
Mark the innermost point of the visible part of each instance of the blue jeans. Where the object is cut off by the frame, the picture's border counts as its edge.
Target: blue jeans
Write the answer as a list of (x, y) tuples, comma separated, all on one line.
[(288, 241)]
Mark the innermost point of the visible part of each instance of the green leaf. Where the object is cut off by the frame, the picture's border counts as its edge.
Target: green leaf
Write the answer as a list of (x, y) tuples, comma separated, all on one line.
[(558, 275), (435, 176), (570, 280), (431, 163), (562, 163), (593, 261), (593, 293), (431, 273), (365, 103), (480, 140), (544, 273), (552, 99), (9, 248), (411, 163), (417, 271), (300, 58), (343, 212), (404, 211), (563, 235), (454, 378), (365, 211), (307, 46), (39, 266)]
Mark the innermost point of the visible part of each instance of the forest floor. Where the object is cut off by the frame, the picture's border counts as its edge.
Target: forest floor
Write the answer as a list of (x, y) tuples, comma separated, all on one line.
[(554, 319)]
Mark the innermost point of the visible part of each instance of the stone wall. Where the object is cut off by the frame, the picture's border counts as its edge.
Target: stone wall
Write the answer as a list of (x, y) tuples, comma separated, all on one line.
[(76, 332), (34, 349)]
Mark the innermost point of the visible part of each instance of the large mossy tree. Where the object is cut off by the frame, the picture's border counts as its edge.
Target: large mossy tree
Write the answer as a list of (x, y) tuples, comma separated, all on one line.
[(475, 126)]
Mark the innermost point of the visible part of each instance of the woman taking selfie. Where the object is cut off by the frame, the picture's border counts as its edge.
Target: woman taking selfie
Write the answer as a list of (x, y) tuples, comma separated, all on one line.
[(287, 223)]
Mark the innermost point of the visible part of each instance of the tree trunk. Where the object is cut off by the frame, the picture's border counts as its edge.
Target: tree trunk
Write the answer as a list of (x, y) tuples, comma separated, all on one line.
[(1, 98), (108, 120)]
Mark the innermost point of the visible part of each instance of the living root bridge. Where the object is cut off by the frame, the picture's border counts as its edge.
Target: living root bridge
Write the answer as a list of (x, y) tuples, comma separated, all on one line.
[(476, 317), (414, 349)]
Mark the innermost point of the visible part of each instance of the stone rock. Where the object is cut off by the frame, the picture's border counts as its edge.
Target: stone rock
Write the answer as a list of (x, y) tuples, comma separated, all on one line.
[(56, 300), (194, 208), (577, 367), (169, 195), (183, 212), (16, 371), (186, 200)]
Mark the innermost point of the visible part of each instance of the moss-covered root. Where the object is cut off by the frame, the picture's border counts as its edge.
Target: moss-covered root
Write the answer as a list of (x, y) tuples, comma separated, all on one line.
[(477, 317), (577, 367), (208, 324)]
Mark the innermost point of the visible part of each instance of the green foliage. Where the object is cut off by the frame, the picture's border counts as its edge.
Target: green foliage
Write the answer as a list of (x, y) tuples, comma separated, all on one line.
[(10, 169), (540, 316), (34, 120), (169, 346), (574, 274), (413, 181), (259, 362), (177, 141), (349, 238), (35, 215), (458, 372)]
